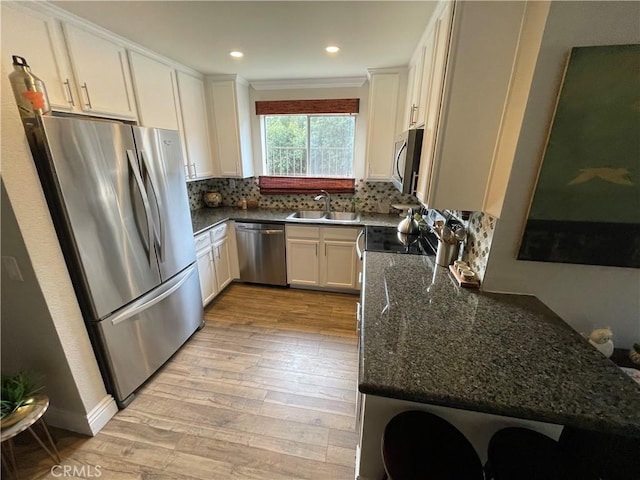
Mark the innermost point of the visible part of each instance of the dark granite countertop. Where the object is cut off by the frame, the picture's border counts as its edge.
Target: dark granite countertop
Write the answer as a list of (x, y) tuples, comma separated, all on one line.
[(424, 339), (205, 218)]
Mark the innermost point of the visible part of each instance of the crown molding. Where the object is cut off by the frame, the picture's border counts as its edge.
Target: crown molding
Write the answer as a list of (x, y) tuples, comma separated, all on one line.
[(339, 82)]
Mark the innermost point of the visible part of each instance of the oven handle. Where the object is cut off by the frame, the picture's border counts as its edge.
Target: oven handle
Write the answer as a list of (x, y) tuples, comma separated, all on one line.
[(358, 250)]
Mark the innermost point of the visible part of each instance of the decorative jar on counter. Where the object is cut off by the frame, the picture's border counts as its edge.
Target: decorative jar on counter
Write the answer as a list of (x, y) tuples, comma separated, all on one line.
[(212, 199)]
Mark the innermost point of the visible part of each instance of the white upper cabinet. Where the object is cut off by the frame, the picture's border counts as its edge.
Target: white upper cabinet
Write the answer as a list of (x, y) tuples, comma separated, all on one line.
[(411, 100), (471, 71), (38, 38), (384, 88), (101, 72), (195, 129), (232, 118), (433, 72), (156, 92), (415, 111), (175, 101)]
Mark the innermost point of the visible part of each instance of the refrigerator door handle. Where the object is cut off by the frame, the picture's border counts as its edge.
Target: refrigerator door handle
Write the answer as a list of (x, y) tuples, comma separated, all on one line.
[(145, 203), (154, 190), (154, 297)]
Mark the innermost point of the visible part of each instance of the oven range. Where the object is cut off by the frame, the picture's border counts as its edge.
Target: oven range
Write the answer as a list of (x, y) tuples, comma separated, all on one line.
[(388, 239)]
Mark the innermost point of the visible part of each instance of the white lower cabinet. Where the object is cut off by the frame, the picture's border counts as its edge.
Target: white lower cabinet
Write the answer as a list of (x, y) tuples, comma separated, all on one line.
[(217, 259), (303, 262), (222, 263), (339, 269), (208, 284), (322, 257), (206, 268)]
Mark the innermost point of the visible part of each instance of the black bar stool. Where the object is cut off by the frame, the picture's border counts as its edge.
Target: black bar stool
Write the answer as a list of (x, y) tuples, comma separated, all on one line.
[(420, 445), (522, 454)]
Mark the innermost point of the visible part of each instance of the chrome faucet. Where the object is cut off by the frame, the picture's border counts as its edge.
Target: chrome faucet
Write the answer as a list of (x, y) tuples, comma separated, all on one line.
[(324, 195)]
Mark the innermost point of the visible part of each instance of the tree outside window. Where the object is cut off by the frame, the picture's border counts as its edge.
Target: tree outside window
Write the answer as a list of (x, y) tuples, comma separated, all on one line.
[(309, 145)]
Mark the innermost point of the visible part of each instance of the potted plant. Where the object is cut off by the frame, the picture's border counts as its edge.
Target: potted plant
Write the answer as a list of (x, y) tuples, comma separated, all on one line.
[(16, 394), (355, 203)]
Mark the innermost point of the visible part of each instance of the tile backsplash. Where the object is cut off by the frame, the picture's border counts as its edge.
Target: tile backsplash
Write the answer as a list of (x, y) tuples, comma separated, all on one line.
[(480, 228), (369, 196)]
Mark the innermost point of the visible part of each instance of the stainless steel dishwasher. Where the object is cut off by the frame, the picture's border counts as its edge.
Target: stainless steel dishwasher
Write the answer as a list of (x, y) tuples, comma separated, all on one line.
[(261, 252)]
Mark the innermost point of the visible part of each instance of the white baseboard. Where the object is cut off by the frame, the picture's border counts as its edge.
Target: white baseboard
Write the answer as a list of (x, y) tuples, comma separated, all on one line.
[(88, 424), (101, 414)]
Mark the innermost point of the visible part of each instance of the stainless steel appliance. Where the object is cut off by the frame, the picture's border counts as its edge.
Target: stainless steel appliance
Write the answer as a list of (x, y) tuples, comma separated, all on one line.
[(406, 160), (117, 194), (409, 225), (389, 240), (261, 253)]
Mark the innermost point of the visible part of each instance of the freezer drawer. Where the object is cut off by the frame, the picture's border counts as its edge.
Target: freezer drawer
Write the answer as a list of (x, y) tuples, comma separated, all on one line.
[(141, 337)]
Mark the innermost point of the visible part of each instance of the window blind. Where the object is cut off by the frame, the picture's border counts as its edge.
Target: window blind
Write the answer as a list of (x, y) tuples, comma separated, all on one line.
[(309, 185), (308, 107)]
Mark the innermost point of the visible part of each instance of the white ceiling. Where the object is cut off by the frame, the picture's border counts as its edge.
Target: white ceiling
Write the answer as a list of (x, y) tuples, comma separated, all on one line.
[(280, 40)]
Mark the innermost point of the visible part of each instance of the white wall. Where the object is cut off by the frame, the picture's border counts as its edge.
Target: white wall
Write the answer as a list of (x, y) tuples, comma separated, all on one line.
[(75, 361), (29, 339), (585, 296), (309, 94)]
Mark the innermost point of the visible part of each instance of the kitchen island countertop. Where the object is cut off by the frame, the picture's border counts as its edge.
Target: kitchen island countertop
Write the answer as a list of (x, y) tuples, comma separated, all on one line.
[(205, 218), (426, 340)]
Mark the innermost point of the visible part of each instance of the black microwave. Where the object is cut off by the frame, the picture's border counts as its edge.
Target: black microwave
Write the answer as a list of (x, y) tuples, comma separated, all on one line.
[(406, 160)]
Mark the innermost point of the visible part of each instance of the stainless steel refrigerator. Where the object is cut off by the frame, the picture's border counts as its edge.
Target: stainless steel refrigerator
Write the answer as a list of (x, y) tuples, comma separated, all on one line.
[(118, 198)]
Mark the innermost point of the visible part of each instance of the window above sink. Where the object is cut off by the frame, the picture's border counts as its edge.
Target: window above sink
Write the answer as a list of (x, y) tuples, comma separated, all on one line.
[(309, 145), (305, 139)]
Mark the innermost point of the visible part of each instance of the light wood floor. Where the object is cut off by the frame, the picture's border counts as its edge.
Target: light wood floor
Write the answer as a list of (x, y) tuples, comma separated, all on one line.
[(265, 391)]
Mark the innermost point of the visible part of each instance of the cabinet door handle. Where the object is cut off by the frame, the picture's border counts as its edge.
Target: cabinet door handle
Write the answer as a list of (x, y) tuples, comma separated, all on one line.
[(70, 99), (86, 91), (414, 109), (358, 251), (186, 171), (193, 167), (316, 249)]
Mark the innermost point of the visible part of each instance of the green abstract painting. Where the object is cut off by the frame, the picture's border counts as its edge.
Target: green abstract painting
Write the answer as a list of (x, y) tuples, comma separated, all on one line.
[(586, 205)]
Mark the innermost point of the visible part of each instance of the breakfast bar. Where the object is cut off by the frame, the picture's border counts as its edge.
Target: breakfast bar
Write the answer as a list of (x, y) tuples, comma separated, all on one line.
[(483, 361)]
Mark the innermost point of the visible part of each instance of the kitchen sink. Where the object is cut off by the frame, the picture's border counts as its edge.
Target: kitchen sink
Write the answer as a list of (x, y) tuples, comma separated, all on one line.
[(323, 217), (342, 216), (307, 214)]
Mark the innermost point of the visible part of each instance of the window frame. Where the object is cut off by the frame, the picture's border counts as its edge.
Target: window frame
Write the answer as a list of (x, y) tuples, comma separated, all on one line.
[(308, 116)]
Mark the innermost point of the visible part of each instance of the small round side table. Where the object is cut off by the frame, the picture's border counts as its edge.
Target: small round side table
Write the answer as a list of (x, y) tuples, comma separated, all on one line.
[(23, 419)]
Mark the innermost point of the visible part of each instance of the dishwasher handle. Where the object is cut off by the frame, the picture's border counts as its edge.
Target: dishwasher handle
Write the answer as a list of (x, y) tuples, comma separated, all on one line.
[(261, 232)]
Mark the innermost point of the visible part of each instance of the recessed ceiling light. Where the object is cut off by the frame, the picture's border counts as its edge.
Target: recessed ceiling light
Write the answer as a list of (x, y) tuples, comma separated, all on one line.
[(236, 54), (332, 49)]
